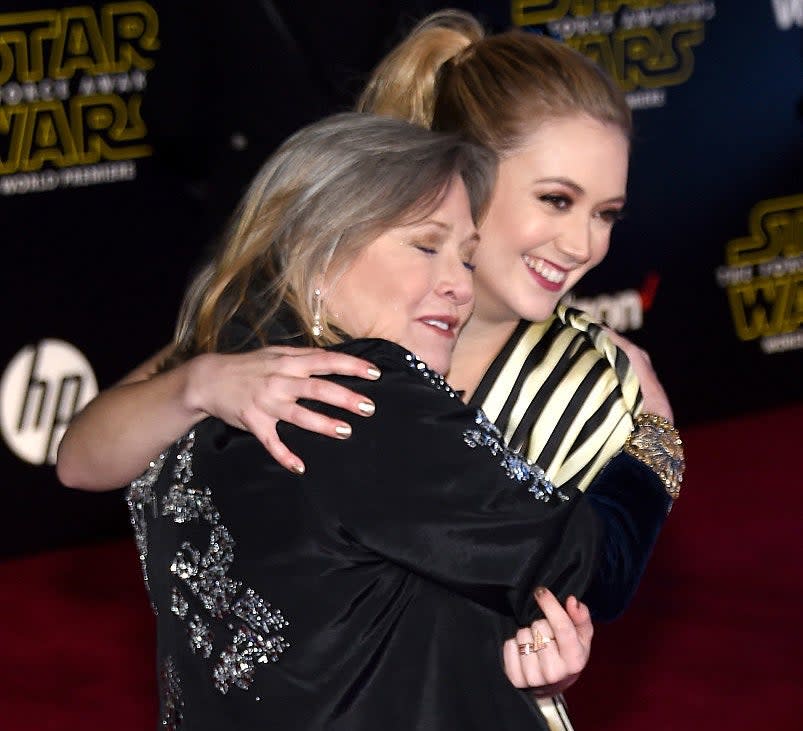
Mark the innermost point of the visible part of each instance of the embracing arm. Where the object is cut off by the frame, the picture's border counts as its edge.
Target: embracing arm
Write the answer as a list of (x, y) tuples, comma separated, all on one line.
[(632, 504), (111, 441), (631, 500), (429, 485)]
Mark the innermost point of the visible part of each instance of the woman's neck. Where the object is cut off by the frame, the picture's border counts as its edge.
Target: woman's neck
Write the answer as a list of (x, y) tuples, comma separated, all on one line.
[(479, 343)]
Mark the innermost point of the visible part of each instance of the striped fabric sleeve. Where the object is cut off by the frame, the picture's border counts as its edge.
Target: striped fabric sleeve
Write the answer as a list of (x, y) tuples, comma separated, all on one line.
[(563, 395)]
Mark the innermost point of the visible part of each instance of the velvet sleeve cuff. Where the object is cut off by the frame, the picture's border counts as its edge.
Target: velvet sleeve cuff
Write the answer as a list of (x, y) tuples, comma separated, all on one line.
[(632, 504)]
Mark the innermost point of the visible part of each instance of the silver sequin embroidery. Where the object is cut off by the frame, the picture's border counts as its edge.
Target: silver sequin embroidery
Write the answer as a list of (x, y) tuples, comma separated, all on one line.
[(170, 694), (140, 498), (184, 503), (206, 575), (255, 638), (200, 636), (178, 604), (238, 661), (485, 434)]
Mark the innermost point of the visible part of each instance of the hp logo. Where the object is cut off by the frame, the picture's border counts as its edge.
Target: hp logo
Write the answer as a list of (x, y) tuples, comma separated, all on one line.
[(41, 389)]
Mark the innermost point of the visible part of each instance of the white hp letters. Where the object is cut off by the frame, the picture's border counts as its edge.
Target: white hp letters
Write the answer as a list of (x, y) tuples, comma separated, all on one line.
[(41, 389)]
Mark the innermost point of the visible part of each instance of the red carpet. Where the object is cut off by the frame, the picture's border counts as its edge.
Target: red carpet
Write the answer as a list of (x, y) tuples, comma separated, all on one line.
[(712, 641), (77, 642), (713, 638)]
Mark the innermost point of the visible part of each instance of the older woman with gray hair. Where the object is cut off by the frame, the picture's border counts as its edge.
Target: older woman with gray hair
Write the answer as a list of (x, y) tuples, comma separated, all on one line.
[(383, 586)]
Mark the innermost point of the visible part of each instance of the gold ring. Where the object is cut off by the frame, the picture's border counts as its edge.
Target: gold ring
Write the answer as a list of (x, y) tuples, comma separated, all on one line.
[(529, 648), (540, 641)]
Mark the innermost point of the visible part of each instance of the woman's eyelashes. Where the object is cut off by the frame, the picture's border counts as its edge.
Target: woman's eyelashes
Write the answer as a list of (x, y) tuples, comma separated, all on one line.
[(431, 250), (612, 215), (563, 202), (558, 201)]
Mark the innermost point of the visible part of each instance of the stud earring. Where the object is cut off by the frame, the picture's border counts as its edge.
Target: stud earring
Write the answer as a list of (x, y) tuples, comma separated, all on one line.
[(316, 314)]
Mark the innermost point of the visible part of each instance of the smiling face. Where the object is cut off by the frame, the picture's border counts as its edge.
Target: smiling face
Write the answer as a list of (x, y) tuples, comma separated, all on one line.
[(549, 222), (413, 284)]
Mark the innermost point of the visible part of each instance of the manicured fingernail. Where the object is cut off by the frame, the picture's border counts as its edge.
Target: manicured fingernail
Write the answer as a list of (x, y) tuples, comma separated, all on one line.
[(298, 468), (343, 430), (374, 372), (366, 407), (540, 591)]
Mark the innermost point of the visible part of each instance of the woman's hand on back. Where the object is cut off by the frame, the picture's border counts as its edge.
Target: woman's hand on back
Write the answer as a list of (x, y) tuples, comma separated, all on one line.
[(254, 391)]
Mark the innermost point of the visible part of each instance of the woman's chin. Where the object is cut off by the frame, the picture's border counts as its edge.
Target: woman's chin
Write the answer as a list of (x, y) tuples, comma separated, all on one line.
[(530, 303), (540, 308)]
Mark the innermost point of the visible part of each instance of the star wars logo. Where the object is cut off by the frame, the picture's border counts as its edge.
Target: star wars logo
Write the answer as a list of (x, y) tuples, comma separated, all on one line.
[(71, 87), (764, 276), (646, 45)]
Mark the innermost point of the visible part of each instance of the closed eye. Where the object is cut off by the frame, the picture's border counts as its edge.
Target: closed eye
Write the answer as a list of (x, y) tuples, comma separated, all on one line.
[(426, 249)]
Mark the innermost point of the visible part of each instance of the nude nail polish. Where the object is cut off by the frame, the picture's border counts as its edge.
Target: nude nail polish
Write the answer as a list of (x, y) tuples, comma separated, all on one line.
[(366, 407)]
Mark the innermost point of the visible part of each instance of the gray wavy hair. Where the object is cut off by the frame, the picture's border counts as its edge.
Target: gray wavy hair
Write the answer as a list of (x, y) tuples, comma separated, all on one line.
[(328, 191)]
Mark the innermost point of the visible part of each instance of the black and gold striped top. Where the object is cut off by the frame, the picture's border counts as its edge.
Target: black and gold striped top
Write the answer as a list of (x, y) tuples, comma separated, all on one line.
[(563, 395)]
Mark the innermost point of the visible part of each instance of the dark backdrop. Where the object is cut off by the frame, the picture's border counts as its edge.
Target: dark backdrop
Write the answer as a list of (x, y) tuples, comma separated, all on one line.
[(129, 130)]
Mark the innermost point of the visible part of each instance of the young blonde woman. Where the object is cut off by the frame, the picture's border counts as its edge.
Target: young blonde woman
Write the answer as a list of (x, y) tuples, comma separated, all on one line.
[(550, 379)]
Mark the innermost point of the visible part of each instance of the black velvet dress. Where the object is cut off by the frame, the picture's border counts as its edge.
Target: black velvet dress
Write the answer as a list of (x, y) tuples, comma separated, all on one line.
[(376, 590)]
